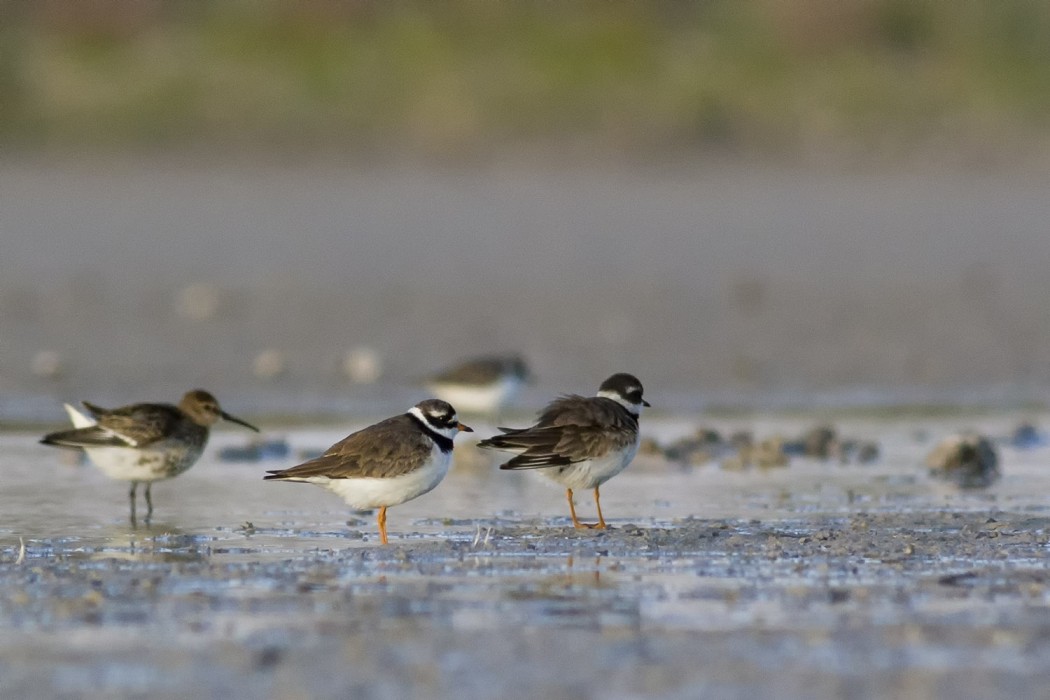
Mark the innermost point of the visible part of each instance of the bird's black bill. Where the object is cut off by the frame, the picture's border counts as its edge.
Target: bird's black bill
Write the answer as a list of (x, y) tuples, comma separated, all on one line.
[(646, 403), (238, 421), (464, 428)]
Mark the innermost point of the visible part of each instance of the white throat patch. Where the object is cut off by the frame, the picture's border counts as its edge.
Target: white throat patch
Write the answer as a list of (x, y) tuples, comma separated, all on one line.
[(633, 408)]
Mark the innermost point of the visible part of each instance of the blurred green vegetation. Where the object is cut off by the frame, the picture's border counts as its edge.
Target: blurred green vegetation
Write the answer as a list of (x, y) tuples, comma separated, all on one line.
[(470, 76)]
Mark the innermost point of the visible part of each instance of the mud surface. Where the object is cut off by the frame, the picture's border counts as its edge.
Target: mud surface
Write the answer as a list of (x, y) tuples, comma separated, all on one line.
[(814, 580)]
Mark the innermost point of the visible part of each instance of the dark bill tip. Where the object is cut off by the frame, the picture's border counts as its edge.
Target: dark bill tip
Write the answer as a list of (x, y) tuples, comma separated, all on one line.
[(238, 421), (646, 403), (464, 428)]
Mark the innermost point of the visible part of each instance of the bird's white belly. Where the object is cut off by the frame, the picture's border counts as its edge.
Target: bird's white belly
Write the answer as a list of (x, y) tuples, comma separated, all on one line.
[(163, 461), (374, 492), (478, 399), (594, 472)]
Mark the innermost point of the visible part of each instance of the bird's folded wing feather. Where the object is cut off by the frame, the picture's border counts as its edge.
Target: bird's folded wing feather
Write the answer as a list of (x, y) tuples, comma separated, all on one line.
[(553, 446), (382, 450), (93, 436), (132, 426), (475, 372), (140, 425), (571, 429)]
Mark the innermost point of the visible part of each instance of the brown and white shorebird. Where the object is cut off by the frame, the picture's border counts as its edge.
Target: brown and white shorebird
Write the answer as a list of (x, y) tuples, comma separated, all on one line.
[(580, 442), (388, 463), (144, 442), (482, 384)]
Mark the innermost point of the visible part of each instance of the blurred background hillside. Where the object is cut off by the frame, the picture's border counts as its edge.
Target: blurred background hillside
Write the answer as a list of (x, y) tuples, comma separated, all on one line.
[(746, 201), (466, 77)]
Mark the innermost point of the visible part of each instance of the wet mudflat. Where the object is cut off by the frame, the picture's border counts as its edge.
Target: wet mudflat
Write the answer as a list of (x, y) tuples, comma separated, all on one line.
[(814, 580)]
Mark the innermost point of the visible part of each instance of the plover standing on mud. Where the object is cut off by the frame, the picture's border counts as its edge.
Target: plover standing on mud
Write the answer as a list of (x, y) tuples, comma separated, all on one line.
[(482, 385), (144, 442), (580, 442), (388, 463)]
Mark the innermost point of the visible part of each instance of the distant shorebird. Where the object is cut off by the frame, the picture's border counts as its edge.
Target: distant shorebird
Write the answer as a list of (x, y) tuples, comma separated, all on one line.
[(580, 442), (144, 442), (388, 463), (481, 385)]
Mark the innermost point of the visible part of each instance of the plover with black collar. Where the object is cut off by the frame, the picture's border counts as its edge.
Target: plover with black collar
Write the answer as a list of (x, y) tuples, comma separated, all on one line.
[(580, 442), (388, 463)]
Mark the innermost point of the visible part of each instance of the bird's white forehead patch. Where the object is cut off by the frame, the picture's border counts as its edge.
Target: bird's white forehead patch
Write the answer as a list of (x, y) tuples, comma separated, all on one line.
[(432, 416)]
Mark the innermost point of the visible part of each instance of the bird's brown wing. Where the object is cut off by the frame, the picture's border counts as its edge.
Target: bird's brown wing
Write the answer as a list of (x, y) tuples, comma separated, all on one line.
[(138, 426), (141, 424), (96, 410), (385, 449), (92, 436), (477, 371), (571, 429)]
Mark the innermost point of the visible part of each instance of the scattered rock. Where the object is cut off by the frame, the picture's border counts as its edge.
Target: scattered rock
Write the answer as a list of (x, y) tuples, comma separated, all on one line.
[(256, 451), (1027, 436), (697, 449), (859, 451), (966, 459), (649, 447), (821, 442), (742, 450), (199, 301), (270, 364), (741, 439), (47, 364), (766, 454), (362, 365)]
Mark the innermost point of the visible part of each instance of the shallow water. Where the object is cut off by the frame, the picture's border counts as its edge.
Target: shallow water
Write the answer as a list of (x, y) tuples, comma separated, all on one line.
[(815, 580)]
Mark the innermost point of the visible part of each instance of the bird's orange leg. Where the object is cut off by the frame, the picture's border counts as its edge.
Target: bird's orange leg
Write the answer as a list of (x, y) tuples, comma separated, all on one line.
[(572, 511), (381, 519), (576, 521), (598, 502)]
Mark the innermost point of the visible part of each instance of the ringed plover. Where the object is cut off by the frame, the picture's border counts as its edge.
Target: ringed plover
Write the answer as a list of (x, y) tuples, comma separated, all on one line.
[(580, 442), (388, 463)]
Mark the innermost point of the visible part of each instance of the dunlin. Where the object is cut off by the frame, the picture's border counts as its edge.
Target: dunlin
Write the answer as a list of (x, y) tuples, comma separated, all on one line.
[(144, 442)]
